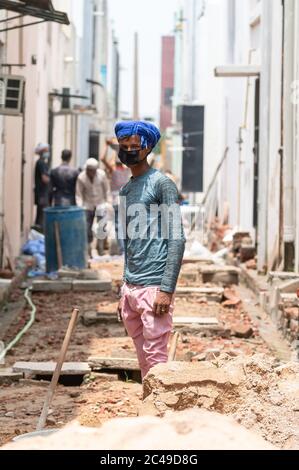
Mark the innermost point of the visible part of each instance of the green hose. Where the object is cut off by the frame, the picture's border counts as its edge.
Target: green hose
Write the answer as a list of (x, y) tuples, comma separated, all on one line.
[(24, 330)]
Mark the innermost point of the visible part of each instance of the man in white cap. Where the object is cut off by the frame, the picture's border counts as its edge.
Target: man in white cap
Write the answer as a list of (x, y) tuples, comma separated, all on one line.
[(42, 183), (92, 190)]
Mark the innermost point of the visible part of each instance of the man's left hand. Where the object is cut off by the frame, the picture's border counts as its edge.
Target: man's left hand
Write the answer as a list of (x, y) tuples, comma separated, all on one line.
[(162, 303)]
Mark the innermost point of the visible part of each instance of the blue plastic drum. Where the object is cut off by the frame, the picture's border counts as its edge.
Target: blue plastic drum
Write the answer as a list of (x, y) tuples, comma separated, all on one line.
[(71, 223)]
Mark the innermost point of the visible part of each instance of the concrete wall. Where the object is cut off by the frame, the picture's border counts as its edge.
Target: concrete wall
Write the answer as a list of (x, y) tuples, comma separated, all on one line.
[(56, 56)]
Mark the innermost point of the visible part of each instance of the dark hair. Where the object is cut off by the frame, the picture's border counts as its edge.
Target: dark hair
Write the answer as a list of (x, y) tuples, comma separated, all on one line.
[(66, 155)]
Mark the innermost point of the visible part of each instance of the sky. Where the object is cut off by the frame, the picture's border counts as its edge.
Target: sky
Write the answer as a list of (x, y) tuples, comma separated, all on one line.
[(151, 19)]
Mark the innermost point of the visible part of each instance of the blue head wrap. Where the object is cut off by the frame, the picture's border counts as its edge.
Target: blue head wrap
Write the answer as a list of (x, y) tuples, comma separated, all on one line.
[(149, 134)]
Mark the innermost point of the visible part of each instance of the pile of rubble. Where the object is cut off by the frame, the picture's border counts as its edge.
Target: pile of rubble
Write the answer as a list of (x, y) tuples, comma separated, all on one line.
[(254, 390)]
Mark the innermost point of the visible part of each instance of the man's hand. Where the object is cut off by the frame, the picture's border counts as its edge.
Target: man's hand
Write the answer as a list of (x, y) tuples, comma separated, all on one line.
[(162, 303)]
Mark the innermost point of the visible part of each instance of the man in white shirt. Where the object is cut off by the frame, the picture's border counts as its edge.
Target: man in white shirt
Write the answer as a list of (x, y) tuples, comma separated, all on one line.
[(92, 190)]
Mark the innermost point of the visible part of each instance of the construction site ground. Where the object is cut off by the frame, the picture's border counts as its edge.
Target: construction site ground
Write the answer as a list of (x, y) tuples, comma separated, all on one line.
[(101, 396)]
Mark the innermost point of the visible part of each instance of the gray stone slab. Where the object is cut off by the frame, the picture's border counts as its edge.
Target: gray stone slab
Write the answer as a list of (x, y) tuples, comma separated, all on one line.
[(91, 286), (211, 293), (195, 320), (114, 363), (93, 318), (52, 286), (47, 368)]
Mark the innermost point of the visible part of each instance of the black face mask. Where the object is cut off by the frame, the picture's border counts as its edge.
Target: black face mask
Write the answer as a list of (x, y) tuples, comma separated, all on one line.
[(129, 158)]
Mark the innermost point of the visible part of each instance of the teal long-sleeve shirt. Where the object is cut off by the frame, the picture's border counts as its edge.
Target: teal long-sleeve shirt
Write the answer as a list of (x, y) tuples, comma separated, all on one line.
[(152, 230)]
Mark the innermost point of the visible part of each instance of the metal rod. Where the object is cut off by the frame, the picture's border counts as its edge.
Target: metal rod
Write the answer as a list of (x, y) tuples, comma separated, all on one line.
[(22, 26), (11, 18)]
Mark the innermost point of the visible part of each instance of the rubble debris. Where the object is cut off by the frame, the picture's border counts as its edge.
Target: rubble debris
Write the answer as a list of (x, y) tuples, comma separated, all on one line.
[(247, 252), (251, 264), (224, 275), (238, 238), (241, 330), (244, 387), (212, 294), (232, 300)]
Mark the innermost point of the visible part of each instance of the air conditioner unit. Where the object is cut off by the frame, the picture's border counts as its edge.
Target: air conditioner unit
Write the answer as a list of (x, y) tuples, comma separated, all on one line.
[(11, 94)]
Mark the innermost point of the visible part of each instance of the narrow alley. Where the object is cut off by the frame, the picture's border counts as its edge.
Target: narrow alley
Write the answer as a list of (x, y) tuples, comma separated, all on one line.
[(149, 228), (220, 326)]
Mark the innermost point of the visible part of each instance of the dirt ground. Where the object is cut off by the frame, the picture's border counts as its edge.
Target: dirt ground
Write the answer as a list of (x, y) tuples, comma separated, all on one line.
[(101, 396)]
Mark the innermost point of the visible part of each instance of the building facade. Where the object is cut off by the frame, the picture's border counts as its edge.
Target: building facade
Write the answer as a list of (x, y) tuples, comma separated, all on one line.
[(56, 61), (167, 81)]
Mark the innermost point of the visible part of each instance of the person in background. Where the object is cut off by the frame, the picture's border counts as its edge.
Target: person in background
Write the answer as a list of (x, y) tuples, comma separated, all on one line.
[(119, 175), (92, 190), (63, 181), (42, 183)]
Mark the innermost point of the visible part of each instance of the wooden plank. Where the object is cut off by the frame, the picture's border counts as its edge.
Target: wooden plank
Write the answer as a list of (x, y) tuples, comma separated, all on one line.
[(114, 363), (195, 320), (47, 368)]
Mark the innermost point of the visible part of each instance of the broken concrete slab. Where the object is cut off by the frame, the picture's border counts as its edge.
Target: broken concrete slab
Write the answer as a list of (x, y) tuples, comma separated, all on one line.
[(249, 388), (213, 294), (92, 317), (105, 376), (52, 286), (205, 331), (195, 320), (8, 376), (189, 276), (65, 273), (91, 286), (224, 275), (197, 259), (114, 363), (195, 383), (282, 276), (47, 368)]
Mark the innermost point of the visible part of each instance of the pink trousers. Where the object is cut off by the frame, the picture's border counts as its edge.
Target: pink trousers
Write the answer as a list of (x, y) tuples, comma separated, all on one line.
[(149, 332)]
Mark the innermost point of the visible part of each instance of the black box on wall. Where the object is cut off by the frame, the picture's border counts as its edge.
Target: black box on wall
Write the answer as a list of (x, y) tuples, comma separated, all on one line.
[(192, 118)]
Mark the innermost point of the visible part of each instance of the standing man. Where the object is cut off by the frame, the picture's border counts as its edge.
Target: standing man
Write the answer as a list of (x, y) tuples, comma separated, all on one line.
[(152, 260), (63, 181), (92, 190), (42, 183)]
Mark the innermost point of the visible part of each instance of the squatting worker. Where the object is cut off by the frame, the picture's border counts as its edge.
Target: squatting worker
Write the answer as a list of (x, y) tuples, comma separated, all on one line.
[(153, 255)]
